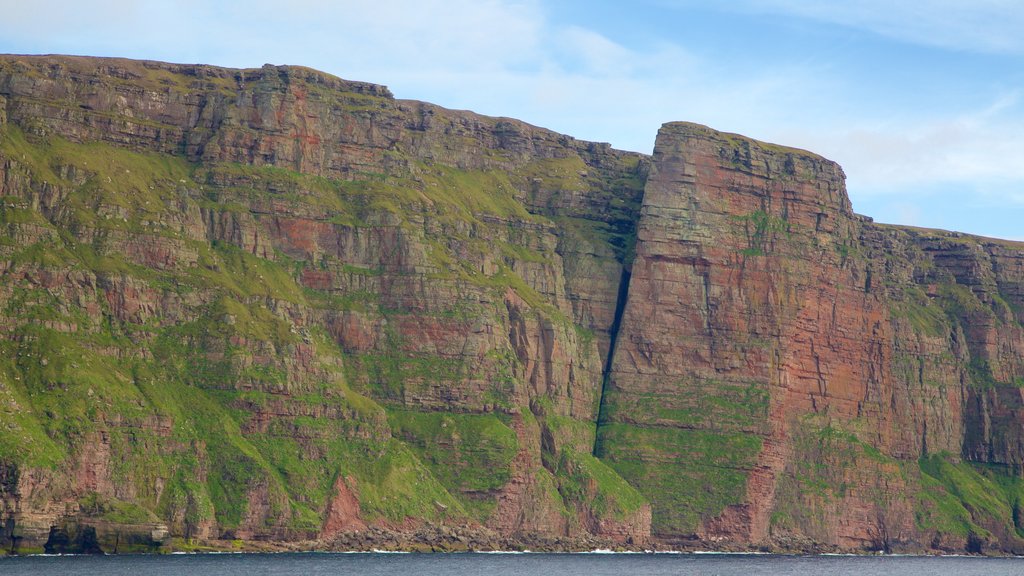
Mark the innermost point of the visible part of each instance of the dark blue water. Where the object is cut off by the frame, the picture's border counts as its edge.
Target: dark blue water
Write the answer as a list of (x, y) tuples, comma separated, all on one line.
[(505, 564)]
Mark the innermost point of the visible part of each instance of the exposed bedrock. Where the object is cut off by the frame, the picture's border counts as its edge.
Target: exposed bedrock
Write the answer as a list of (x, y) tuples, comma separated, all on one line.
[(271, 305)]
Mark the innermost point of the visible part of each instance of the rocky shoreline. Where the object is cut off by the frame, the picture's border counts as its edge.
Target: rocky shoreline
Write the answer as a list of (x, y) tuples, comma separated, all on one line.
[(434, 538)]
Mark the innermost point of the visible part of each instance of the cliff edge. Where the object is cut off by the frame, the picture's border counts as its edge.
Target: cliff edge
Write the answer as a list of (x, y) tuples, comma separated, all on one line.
[(272, 305)]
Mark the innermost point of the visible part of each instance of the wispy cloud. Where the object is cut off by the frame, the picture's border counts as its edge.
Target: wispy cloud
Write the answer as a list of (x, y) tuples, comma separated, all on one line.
[(982, 149), (995, 26), (461, 34)]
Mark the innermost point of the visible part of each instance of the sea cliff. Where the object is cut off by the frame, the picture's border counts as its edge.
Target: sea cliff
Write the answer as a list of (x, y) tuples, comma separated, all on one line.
[(272, 307)]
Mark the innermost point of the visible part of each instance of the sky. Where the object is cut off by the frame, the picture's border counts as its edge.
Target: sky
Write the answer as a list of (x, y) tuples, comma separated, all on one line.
[(921, 102)]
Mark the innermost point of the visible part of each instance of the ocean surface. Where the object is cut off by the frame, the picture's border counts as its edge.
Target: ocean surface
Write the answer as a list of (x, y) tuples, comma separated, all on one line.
[(506, 564)]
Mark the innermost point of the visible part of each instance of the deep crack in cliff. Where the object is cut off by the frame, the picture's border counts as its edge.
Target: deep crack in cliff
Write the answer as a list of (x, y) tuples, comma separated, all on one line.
[(275, 305)]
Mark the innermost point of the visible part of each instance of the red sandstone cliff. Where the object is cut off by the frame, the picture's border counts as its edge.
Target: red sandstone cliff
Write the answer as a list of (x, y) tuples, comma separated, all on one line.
[(301, 280), (792, 366), (276, 305)]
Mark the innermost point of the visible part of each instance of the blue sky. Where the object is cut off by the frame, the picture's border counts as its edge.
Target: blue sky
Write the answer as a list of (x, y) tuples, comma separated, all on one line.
[(922, 102)]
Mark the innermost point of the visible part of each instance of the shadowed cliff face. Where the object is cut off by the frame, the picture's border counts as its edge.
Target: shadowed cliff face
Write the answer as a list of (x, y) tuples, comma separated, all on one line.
[(277, 305)]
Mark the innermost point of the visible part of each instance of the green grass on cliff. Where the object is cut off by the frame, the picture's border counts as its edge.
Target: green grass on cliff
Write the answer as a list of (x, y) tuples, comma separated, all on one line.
[(394, 485), (393, 376), (84, 400), (960, 302), (244, 275), (234, 465), (553, 175), (564, 431), (112, 187), (297, 458), (449, 194), (963, 499), (113, 510), (830, 470), (926, 316), (17, 211), (472, 193), (688, 475), (599, 238), (761, 230), (63, 378), (709, 404), (470, 454), (23, 435), (688, 449), (583, 480), (396, 372)]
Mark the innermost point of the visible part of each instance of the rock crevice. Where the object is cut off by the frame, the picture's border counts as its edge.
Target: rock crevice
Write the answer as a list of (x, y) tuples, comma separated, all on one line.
[(277, 306)]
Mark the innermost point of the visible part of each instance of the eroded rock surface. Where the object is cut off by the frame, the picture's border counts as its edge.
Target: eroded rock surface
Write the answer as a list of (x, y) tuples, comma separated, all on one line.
[(788, 370), (274, 306)]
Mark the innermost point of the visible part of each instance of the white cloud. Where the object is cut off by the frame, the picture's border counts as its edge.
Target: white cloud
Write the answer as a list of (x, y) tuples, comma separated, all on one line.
[(464, 34), (983, 149), (995, 26)]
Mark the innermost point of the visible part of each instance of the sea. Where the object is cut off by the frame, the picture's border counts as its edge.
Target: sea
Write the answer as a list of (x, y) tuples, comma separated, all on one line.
[(500, 564)]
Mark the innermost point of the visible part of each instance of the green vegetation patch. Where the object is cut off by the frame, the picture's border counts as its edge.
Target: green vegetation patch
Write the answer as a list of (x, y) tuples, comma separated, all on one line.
[(761, 230), (689, 476), (472, 192), (960, 302), (583, 480), (566, 432), (555, 174), (829, 466), (965, 499), (694, 402), (826, 458), (66, 382), (925, 316), (393, 484), (23, 433), (393, 375), (112, 510), (243, 275), (109, 186), (470, 454)]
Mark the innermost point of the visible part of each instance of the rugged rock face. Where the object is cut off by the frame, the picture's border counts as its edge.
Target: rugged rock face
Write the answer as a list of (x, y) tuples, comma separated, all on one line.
[(273, 305), (789, 372)]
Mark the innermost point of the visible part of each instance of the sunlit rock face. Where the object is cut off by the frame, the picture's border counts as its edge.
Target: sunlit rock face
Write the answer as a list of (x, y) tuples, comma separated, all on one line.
[(274, 305)]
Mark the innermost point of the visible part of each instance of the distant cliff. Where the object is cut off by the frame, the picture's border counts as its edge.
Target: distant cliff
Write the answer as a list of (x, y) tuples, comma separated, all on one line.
[(271, 305)]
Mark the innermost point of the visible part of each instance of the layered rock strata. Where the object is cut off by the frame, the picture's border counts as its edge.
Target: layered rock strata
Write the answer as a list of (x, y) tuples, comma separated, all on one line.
[(788, 371), (273, 305)]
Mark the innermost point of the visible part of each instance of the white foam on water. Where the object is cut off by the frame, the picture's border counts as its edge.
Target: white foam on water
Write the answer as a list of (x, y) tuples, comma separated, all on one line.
[(501, 552), (375, 551), (720, 553)]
